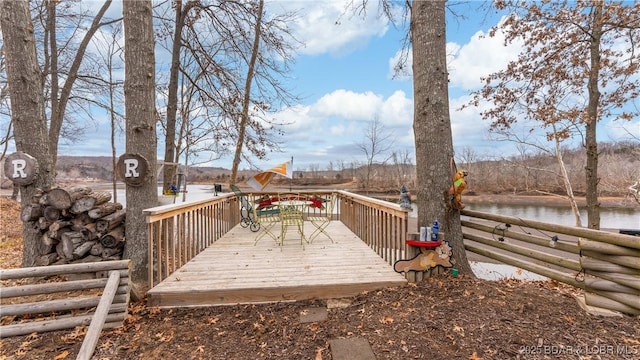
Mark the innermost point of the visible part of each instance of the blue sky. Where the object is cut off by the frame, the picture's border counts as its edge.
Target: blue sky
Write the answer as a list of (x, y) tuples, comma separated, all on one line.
[(344, 74)]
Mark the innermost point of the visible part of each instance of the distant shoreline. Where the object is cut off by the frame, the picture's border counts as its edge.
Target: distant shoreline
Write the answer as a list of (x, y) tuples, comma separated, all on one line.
[(606, 202)]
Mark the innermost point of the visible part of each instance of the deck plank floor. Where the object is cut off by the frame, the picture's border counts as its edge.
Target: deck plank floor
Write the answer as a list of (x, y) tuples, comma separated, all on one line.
[(234, 270)]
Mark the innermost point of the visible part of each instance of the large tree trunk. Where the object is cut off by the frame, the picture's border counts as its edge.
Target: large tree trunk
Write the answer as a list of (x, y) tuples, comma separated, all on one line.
[(432, 125), (27, 106), (591, 170), (139, 88)]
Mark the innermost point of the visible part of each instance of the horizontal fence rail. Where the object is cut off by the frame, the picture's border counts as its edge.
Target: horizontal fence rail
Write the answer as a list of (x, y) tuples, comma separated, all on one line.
[(606, 265), (177, 233), (67, 299)]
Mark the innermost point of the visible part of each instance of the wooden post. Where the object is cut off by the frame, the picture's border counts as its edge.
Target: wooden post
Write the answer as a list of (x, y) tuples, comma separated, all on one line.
[(99, 318)]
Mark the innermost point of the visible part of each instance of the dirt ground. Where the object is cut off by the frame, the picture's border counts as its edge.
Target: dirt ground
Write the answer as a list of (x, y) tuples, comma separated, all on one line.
[(442, 318)]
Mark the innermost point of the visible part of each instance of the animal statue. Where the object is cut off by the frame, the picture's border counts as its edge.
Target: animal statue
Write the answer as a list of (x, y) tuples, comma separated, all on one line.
[(455, 191), (425, 260)]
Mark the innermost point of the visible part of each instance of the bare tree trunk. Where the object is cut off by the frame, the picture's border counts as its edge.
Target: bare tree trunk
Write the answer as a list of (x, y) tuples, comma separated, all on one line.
[(139, 91), (60, 99), (170, 158), (593, 205), (566, 181), (432, 125), (247, 93), (27, 107), (591, 169)]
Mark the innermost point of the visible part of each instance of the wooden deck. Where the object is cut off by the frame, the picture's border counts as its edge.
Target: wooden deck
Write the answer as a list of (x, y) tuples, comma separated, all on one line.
[(234, 271)]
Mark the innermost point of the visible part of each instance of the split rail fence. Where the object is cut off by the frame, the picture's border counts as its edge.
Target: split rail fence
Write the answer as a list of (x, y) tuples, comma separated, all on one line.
[(79, 300), (605, 264)]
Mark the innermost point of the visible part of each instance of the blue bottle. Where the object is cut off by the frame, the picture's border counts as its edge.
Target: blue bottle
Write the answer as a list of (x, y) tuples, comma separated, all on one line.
[(434, 231)]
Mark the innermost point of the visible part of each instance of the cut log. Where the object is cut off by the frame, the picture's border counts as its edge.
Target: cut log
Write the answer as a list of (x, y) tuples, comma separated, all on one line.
[(89, 232), (68, 242), (104, 210), (63, 199), (31, 212), (114, 238), (52, 213), (64, 249), (96, 249), (59, 198), (83, 249), (43, 223), (35, 197), (48, 241), (111, 221), (90, 201), (76, 192), (79, 221), (107, 253), (75, 237), (54, 227), (46, 259), (58, 234)]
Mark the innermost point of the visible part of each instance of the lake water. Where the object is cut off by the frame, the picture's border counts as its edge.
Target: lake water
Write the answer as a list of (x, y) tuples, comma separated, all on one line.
[(610, 218)]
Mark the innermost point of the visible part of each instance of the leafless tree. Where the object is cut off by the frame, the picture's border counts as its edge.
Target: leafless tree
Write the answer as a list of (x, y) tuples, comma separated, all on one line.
[(110, 54), (578, 63), (376, 143)]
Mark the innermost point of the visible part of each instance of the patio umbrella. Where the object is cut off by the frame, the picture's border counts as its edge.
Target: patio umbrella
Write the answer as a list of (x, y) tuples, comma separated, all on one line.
[(260, 180)]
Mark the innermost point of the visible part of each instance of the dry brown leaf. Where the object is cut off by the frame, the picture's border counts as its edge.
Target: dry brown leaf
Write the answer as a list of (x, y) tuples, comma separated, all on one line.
[(386, 320), (474, 356), (62, 355), (458, 329)]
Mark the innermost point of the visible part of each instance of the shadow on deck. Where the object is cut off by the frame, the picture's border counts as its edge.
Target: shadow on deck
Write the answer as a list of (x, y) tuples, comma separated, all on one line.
[(233, 270)]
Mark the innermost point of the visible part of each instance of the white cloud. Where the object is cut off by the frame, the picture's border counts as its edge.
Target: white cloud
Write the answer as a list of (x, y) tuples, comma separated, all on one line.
[(397, 110), (622, 130), (349, 105), (481, 56), (467, 63), (329, 27)]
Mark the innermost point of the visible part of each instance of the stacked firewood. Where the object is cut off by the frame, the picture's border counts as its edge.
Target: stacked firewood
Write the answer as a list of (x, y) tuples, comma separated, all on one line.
[(76, 225)]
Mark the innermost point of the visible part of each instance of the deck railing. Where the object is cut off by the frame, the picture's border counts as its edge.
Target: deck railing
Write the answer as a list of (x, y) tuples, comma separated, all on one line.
[(380, 224), (177, 233)]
